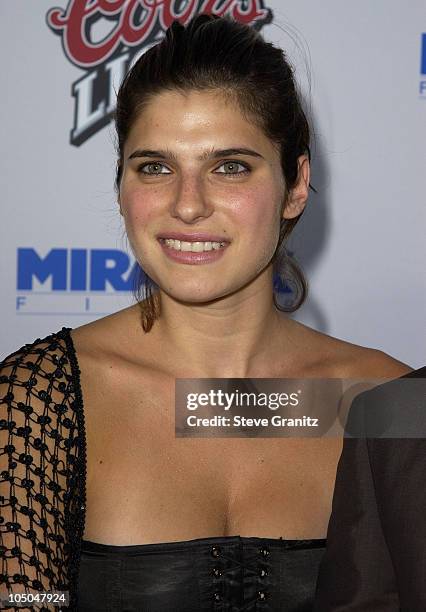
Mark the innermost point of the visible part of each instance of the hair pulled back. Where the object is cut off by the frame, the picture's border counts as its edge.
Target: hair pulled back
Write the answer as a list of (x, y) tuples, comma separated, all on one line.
[(213, 52)]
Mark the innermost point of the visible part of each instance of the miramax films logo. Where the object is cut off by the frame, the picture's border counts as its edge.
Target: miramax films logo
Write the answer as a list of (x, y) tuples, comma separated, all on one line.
[(105, 37)]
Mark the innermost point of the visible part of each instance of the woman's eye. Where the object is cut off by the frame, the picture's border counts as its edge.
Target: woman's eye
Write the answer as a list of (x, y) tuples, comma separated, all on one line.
[(232, 167), (153, 168)]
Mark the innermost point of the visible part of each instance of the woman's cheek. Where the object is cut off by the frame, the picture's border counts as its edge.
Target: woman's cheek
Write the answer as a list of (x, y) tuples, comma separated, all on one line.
[(138, 207), (258, 213)]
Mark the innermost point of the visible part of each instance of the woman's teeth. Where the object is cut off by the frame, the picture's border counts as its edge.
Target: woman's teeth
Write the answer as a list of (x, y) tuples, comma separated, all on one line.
[(195, 247)]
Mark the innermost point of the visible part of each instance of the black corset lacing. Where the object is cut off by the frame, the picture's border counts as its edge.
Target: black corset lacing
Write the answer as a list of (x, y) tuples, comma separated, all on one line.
[(226, 578)]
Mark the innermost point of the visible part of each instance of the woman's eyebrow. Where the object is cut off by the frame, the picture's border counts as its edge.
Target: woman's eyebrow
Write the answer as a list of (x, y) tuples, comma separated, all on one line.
[(209, 154)]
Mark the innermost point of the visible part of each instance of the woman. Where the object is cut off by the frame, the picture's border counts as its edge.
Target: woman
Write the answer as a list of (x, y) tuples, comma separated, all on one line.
[(212, 176)]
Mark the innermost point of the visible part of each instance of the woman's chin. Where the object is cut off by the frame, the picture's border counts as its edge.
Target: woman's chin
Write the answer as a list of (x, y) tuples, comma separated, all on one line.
[(197, 297)]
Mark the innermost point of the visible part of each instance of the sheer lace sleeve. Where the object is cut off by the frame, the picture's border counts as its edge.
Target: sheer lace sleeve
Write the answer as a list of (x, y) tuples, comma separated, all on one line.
[(41, 494)]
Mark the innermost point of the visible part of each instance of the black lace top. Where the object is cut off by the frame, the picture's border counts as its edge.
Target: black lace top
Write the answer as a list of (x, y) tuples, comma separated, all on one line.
[(42, 468)]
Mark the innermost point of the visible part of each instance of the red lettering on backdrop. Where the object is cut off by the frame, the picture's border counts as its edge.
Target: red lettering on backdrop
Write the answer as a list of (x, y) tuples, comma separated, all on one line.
[(131, 35), (72, 23)]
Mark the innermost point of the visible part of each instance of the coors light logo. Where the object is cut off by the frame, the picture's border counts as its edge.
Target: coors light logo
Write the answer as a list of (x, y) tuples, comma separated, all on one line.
[(105, 38)]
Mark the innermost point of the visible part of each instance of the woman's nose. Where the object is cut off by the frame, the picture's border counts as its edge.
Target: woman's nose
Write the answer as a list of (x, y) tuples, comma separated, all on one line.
[(191, 201)]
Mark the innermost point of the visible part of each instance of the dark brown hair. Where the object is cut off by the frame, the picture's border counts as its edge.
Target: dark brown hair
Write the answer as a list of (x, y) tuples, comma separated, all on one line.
[(209, 53)]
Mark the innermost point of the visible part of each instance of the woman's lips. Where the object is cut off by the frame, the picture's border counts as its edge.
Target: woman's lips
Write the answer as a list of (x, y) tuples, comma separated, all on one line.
[(195, 237), (190, 257)]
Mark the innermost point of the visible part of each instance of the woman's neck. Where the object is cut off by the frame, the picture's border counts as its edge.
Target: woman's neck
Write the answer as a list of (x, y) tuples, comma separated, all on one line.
[(228, 338)]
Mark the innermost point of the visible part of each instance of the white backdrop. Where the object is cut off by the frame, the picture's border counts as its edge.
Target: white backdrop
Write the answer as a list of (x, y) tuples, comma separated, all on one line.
[(361, 241)]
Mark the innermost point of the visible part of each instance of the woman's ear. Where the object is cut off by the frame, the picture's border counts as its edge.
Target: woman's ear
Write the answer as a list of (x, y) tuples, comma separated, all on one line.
[(297, 198)]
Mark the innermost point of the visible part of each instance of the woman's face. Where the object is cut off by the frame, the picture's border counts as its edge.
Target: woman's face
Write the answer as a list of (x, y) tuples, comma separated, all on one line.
[(178, 178)]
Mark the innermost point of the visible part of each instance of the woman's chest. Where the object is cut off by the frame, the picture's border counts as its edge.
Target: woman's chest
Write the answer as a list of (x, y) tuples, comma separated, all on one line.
[(144, 485)]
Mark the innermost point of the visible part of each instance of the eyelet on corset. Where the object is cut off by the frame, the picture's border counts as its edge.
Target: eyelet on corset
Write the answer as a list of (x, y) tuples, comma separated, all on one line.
[(215, 551), (217, 597), (217, 572), (263, 573), (264, 552), (261, 595)]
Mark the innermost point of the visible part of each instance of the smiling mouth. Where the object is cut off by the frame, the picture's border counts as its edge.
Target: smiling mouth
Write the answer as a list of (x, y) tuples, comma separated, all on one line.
[(193, 247)]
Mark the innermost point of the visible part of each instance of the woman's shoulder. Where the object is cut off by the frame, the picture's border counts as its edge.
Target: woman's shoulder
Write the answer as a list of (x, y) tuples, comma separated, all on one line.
[(344, 359), (37, 387), (45, 357), (113, 338)]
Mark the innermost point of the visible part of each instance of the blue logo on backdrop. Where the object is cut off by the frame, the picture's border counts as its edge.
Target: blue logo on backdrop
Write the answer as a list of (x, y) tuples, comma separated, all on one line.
[(81, 280), (422, 85), (73, 273)]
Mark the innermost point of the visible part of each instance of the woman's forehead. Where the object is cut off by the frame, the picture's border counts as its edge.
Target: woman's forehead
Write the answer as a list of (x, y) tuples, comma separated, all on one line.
[(187, 110), (201, 119)]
